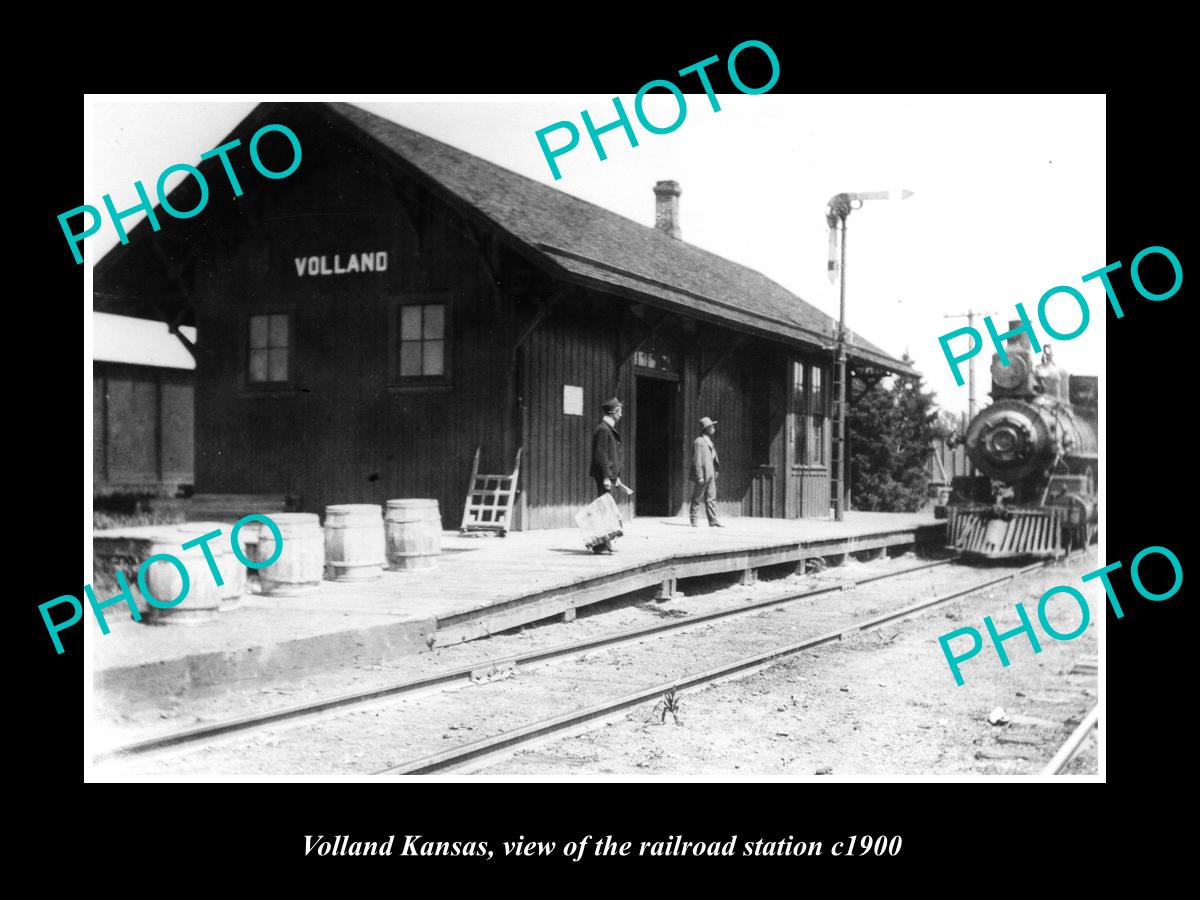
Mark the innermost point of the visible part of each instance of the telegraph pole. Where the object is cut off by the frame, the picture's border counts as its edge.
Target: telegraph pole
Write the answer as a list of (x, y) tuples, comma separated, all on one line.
[(972, 405), (840, 206)]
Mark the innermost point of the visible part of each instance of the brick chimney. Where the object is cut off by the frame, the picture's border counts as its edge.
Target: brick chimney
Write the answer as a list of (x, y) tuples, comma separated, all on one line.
[(666, 207)]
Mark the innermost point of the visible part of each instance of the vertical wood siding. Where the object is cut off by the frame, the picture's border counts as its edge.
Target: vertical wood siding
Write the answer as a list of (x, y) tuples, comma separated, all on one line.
[(142, 435), (807, 488), (340, 432), (575, 345), (814, 492)]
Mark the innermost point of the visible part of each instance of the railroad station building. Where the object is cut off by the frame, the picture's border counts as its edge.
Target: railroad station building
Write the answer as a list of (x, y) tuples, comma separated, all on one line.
[(365, 324), (142, 397)]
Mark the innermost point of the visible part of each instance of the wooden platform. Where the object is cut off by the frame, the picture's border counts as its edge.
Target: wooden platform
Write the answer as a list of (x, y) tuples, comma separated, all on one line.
[(482, 585), (658, 552)]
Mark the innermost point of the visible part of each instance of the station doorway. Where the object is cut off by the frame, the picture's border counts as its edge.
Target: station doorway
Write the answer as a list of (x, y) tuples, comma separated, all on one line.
[(655, 438)]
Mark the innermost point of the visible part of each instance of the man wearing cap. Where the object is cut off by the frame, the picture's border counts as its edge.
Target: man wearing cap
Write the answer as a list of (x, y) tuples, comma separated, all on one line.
[(703, 474), (606, 455)]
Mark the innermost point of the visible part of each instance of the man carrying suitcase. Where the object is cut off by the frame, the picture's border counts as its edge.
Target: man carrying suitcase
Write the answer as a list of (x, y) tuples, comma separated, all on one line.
[(606, 456)]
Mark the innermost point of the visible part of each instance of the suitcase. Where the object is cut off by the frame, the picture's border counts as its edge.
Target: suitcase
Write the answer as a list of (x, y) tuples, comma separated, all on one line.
[(599, 521)]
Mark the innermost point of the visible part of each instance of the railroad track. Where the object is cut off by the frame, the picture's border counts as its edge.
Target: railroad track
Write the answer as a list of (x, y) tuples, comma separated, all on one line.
[(1073, 744), (474, 752), (507, 741), (479, 672)]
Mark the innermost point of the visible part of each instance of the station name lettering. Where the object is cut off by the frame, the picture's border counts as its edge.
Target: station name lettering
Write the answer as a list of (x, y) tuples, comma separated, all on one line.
[(356, 262)]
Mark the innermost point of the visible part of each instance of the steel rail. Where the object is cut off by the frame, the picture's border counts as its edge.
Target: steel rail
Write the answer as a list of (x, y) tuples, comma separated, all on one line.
[(1068, 750), (486, 746), (365, 695)]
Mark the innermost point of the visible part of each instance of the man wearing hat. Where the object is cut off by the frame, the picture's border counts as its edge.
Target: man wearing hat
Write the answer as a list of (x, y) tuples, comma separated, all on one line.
[(703, 474), (606, 455)]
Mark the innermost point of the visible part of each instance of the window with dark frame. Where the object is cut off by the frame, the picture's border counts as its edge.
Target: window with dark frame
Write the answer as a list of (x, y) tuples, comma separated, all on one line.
[(809, 411), (269, 353), (799, 415), (816, 409), (421, 341), (661, 353)]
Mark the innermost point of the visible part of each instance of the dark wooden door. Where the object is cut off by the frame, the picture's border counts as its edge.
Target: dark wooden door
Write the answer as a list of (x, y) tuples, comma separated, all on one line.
[(654, 435)]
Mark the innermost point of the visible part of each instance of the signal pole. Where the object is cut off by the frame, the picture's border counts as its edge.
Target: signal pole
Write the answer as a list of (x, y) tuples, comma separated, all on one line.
[(839, 208)]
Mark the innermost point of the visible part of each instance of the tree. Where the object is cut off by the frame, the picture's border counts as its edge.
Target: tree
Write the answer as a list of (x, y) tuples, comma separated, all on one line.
[(889, 431)]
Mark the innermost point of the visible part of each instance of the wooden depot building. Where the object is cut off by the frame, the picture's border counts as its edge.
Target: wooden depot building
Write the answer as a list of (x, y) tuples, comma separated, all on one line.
[(142, 395), (368, 322)]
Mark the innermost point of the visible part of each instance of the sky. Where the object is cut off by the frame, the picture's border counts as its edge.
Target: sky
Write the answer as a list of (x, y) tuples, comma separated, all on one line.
[(1008, 192)]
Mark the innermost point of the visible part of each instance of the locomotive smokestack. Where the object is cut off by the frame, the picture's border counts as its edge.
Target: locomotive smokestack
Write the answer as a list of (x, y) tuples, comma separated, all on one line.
[(1020, 339)]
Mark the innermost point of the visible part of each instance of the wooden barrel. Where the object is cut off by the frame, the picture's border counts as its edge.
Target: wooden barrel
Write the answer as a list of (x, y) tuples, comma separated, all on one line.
[(164, 582), (299, 567), (233, 572), (354, 542), (414, 534)]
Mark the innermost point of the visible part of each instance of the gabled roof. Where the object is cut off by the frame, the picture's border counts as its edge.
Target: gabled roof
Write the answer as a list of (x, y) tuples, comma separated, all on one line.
[(579, 241), (592, 245)]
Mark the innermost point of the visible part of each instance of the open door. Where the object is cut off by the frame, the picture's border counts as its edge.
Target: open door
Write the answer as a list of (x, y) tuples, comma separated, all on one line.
[(655, 451)]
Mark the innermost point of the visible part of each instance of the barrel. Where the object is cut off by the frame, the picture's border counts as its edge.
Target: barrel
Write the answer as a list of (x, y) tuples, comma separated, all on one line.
[(414, 534), (232, 569), (354, 542), (164, 581), (299, 567)]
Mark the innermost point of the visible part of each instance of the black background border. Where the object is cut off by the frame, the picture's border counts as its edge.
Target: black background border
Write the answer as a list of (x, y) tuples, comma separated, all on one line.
[(949, 829)]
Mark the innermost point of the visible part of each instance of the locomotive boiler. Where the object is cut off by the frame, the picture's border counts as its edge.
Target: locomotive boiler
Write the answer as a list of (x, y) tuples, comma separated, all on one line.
[(1035, 448)]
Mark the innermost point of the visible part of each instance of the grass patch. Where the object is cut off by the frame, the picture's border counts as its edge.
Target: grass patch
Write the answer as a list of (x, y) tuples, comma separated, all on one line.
[(102, 519), (128, 509)]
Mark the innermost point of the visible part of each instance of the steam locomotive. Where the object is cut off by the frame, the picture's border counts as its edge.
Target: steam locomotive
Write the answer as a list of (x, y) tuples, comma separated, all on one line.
[(1036, 449)]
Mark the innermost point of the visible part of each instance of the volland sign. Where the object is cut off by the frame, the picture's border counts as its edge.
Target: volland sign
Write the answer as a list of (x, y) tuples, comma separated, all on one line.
[(356, 262)]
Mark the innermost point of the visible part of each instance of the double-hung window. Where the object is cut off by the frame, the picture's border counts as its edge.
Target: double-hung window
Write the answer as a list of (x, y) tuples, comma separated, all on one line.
[(420, 341), (809, 411), (816, 416), (269, 354)]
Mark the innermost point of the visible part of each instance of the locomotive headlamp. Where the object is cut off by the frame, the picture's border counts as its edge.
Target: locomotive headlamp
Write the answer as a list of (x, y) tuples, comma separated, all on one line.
[(1008, 439)]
